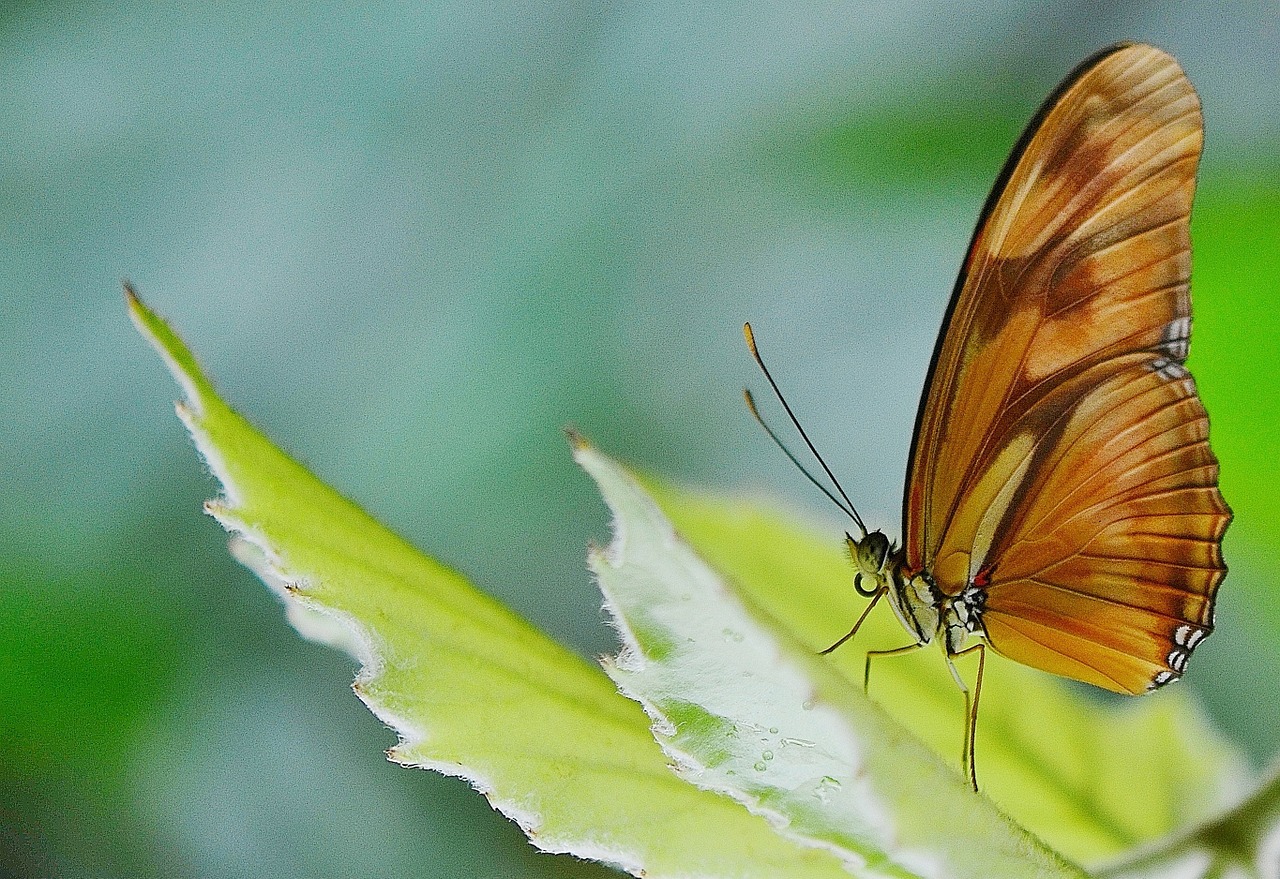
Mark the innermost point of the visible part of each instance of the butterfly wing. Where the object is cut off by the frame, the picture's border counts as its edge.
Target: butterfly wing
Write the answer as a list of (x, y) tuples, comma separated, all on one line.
[(1061, 457)]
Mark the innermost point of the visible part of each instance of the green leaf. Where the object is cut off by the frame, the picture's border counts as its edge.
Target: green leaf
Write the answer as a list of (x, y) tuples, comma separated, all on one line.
[(1092, 777), (476, 692), (1244, 842), (471, 689), (744, 709)]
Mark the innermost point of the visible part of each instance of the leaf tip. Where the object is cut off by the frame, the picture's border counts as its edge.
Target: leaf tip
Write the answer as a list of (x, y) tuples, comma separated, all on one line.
[(169, 345), (143, 317), (576, 440)]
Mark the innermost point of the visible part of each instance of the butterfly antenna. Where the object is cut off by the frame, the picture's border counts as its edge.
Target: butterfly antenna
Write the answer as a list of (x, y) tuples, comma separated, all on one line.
[(847, 507), (755, 413)]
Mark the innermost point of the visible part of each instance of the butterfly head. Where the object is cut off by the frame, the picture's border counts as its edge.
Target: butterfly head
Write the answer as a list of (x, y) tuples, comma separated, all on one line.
[(872, 557), (880, 570)]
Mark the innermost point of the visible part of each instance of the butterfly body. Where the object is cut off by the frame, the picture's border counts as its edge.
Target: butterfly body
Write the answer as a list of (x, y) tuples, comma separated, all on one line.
[(927, 612)]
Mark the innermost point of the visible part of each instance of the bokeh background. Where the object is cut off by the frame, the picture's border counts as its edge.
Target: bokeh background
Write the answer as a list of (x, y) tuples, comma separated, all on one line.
[(413, 241)]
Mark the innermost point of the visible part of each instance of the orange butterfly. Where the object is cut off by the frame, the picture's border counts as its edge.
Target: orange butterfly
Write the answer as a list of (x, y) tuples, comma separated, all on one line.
[(1062, 501)]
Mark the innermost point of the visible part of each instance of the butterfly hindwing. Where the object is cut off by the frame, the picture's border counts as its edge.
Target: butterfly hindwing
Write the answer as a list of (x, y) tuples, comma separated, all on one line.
[(1061, 453)]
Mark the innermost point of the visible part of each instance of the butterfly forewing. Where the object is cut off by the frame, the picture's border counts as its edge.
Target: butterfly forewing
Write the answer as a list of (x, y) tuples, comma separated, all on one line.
[(1061, 455)]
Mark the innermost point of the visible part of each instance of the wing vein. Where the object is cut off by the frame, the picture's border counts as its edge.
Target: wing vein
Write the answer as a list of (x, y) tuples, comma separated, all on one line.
[(1115, 602), (1041, 643), (1147, 561), (1102, 467)]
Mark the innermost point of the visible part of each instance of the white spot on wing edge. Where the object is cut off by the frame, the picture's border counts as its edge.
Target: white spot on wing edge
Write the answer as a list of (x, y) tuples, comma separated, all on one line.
[(1170, 370), (1188, 636), (1176, 338)]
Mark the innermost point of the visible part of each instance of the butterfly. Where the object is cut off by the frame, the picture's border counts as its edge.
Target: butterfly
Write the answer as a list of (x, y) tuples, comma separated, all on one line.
[(1061, 503)]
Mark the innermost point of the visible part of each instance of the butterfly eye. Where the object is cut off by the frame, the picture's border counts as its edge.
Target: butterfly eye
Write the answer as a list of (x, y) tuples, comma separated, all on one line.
[(873, 551), (868, 572)]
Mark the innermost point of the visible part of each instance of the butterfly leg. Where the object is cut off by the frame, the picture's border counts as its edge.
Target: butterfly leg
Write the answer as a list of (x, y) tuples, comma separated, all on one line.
[(970, 707), (866, 669), (875, 597)]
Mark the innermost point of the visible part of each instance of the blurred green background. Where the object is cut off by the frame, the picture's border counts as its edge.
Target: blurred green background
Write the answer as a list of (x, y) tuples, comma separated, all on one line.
[(414, 241)]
